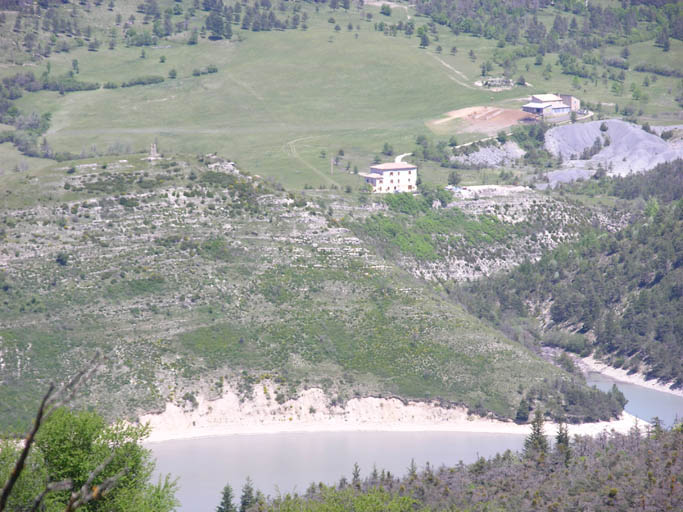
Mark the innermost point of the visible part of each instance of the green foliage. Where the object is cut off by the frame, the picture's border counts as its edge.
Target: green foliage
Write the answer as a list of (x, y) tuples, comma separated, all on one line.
[(333, 500), (248, 497), (565, 362), (572, 342), (536, 443), (71, 445), (143, 80), (454, 178), (522, 411), (407, 203), (62, 258), (562, 443), (531, 138), (392, 232), (226, 504), (218, 342), (428, 233)]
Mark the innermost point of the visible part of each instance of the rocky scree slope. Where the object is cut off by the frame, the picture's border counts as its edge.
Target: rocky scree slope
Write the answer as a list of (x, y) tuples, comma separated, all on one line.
[(625, 147)]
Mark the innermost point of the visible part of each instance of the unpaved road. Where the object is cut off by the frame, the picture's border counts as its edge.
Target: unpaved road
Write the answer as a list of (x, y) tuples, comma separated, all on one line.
[(451, 68)]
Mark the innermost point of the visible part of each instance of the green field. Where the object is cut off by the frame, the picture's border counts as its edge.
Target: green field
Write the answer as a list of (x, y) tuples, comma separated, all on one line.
[(280, 99)]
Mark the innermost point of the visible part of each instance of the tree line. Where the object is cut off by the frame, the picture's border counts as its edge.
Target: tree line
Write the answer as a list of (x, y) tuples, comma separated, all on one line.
[(612, 471)]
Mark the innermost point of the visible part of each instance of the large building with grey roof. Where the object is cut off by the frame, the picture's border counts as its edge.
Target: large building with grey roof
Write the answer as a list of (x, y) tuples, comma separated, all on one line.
[(551, 105)]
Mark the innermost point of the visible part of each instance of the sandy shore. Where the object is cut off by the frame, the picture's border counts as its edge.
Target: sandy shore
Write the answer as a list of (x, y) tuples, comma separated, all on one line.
[(310, 412), (591, 364)]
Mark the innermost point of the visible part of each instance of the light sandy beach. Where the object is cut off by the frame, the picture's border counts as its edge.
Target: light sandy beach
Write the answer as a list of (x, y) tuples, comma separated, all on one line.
[(591, 364), (311, 412)]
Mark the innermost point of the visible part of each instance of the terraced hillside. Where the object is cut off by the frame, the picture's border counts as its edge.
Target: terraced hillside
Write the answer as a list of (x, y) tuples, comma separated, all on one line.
[(188, 273)]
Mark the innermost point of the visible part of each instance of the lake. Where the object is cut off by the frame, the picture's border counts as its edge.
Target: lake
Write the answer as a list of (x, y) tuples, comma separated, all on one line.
[(290, 462), (642, 402)]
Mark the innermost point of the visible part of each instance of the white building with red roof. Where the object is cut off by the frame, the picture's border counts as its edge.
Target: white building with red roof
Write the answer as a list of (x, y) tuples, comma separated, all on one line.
[(392, 177)]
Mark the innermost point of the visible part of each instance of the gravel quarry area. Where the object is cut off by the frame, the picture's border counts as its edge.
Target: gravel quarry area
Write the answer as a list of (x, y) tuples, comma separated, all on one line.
[(492, 156), (630, 149)]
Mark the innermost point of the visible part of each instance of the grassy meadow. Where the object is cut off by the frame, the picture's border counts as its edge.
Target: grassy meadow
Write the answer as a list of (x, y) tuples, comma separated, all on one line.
[(283, 103), (277, 101)]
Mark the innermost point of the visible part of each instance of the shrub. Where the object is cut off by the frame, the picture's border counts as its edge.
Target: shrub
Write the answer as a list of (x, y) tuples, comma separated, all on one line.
[(143, 80), (62, 258)]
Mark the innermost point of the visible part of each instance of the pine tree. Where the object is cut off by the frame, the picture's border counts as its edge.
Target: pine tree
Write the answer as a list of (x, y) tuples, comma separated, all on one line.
[(226, 504), (412, 470), (247, 499), (355, 476), (522, 411), (536, 442), (562, 441)]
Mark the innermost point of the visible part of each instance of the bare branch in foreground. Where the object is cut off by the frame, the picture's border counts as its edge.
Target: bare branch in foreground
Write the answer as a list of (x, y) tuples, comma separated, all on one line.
[(19, 466), (51, 401), (64, 485)]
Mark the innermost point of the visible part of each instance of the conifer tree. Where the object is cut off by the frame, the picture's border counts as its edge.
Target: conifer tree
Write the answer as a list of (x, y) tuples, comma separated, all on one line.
[(562, 441), (355, 476), (536, 442), (226, 504), (247, 499)]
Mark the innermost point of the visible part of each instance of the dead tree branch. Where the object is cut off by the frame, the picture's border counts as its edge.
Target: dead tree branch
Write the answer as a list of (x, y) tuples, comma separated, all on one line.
[(51, 401)]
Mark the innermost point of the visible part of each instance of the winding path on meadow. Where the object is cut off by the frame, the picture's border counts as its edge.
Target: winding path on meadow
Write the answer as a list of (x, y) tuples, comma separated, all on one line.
[(289, 148), (451, 68)]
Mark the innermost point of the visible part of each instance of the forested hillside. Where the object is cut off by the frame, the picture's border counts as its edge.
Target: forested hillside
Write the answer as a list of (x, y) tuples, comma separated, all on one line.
[(578, 26), (620, 292), (635, 471)]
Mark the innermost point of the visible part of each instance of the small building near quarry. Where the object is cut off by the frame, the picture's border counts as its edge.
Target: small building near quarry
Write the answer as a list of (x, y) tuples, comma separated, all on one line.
[(551, 105), (392, 177)]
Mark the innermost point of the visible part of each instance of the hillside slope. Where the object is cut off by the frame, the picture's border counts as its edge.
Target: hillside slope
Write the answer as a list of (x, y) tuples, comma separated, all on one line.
[(625, 148), (619, 293), (187, 273)]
